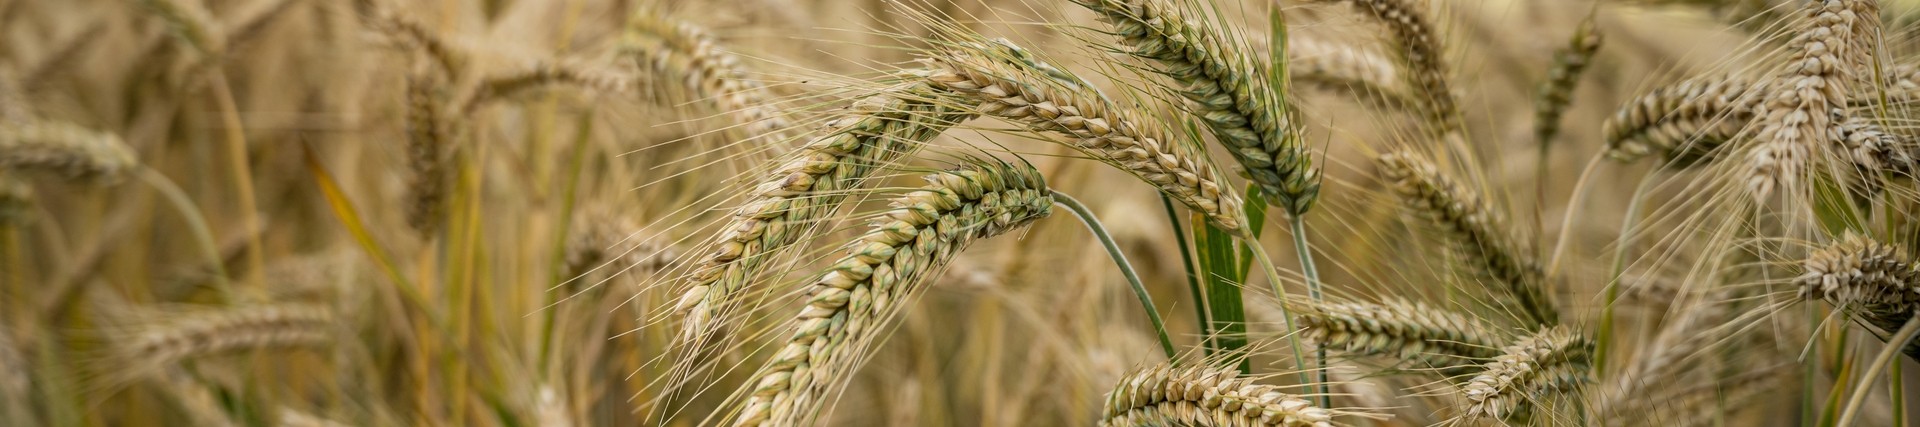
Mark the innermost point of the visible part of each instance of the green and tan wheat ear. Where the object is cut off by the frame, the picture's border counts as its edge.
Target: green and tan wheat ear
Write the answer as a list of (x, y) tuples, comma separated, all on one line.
[(850, 305), (1338, 66), (806, 188), (192, 23), (1228, 93), (1685, 123), (1832, 46), (1478, 233), (1874, 281), (1417, 46), (1554, 360), (191, 335), (430, 140), (1569, 63), (64, 148), (1411, 332), (545, 74), (1105, 131), (680, 49), (1203, 396)]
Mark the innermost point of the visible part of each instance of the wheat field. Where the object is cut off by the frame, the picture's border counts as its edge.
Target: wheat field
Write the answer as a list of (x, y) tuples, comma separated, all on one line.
[(1316, 213)]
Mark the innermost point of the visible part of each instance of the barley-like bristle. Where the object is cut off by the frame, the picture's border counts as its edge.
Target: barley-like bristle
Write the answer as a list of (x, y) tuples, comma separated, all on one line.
[(707, 70), (1684, 123), (1877, 282), (1228, 93), (1479, 234), (1411, 332), (1568, 64), (807, 187), (1418, 48), (1202, 396), (850, 305), (1105, 131), (1554, 360), (64, 148), (430, 138), (1834, 43)]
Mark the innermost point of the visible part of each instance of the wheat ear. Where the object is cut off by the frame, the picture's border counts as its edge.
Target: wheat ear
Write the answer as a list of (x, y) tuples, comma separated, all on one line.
[(1479, 234), (64, 148), (1686, 122), (1557, 91), (1877, 282), (852, 303), (1105, 131), (1342, 67), (1411, 332), (1831, 46), (707, 70), (545, 74), (1418, 49), (156, 346), (430, 137), (1202, 396), (1551, 361), (806, 188), (1228, 93)]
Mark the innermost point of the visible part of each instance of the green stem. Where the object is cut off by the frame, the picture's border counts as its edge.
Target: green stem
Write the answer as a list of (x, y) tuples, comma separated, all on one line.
[(196, 226), (1299, 225), (1896, 389), (1119, 259), (1193, 281), (1895, 343), (1280, 292), (1605, 336)]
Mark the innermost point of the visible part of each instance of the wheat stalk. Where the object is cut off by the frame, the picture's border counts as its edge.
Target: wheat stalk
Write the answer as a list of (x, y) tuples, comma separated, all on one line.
[(1227, 91), (1550, 361), (1686, 122), (1411, 332), (1557, 91), (851, 304), (1834, 43), (1419, 51), (1478, 233), (707, 70), (1202, 396), (805, 189), (1103, 130), (65, 148)]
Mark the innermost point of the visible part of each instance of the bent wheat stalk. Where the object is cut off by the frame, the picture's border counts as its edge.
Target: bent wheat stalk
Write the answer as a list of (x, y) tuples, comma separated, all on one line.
[(1107, 132), (851, 305), (1201, 396)]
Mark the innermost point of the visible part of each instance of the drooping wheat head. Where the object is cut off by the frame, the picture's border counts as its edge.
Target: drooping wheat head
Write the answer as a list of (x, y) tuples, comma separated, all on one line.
[(1408, 331), (150, 347), (67, 149), (1203, 396), (1227, 91), (1685, 123), (543, 74), (853, 302), (1479, 235), (1556, 93), (1417, 45), (669, 47), (1339, 66), (1875, 282), (1106, 131), (1552, 361), (1831, 47)]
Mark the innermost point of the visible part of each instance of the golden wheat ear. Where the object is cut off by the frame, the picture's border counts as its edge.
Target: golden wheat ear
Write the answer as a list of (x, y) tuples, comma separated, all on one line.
[(672, 49), (1832, 47), (1417, 46), (1556, 93), (1877, 283), (1479, 235), (66, 149), (1410, 332), (1552, 361), (1203, 396), (852, 304), (1686, 123)]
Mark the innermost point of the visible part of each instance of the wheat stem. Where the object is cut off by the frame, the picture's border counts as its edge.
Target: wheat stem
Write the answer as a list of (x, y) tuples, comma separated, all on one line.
[(1298, 223), (1126, 268), (1896, 342)]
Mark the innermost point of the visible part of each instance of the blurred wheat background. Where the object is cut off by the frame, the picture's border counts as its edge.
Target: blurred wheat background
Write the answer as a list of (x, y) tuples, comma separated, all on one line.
[(958, 212)]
